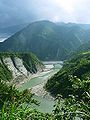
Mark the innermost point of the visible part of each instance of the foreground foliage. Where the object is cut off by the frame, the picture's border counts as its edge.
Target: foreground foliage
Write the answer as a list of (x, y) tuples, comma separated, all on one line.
[(15, 105), (72, 109), (22, 112)]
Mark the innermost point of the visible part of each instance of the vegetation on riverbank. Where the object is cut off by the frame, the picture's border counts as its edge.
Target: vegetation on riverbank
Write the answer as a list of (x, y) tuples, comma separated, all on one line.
[(72, 83), (77, 68), (15, 105)]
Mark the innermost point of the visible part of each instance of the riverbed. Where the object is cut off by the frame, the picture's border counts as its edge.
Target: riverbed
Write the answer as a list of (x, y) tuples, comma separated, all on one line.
[(37, 83)]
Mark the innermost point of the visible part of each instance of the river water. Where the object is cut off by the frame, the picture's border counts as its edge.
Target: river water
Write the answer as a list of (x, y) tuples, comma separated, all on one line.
[(46, 104)]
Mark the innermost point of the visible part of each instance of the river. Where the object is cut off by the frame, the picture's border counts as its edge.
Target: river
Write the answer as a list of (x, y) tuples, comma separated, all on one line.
[(36, 85)]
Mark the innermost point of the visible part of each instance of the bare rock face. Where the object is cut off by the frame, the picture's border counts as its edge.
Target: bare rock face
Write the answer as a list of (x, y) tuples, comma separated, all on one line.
[(17, 68), (19, 65), (11, 67), (0, 61)]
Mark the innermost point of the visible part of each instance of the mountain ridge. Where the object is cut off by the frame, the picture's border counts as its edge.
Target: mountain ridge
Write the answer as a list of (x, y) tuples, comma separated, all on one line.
[(46, 39)]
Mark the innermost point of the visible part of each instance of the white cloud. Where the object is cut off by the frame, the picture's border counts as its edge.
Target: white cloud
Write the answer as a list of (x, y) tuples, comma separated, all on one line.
[(56, 10), (63, 10)]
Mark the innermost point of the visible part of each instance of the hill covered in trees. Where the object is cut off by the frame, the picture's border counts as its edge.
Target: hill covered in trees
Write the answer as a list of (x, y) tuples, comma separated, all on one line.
[(74, 72), (49, 41), (72, 86), (84, 47)]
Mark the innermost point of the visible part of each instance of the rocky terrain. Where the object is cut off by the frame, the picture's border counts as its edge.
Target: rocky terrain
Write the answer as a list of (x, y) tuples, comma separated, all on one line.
[(19, 67)]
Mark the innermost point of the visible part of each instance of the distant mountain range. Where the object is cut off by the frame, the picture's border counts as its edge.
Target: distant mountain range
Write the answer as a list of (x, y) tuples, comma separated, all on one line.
[(8, 31), (83, 26), (48, 40)]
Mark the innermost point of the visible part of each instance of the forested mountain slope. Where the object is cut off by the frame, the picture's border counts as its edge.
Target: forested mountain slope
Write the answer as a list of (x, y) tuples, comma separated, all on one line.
[(46, 39), (74, 72), (6, 32), (84, 47)]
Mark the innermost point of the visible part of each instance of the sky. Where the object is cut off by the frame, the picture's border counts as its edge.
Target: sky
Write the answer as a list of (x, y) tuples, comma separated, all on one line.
[(13, 12)]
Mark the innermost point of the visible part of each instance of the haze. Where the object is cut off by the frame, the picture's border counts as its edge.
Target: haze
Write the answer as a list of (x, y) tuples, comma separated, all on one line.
[(14, 12)]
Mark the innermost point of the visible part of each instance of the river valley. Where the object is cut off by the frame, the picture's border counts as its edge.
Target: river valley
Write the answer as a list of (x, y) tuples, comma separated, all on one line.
[(37, 82)]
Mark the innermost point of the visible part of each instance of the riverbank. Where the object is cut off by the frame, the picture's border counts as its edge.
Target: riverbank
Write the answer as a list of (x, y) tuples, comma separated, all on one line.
[(37, 82)]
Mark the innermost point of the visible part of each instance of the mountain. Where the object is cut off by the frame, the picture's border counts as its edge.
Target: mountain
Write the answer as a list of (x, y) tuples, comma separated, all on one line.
[(84, 47), (18, 65), (72, 77), (83, 26), (46, 39), (6, 32)]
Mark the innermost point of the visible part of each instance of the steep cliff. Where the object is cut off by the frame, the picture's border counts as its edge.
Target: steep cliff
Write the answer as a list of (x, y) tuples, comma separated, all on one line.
[(15, 65)]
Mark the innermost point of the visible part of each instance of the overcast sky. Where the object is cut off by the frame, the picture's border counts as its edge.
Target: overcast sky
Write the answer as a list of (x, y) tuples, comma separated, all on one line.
[(22, 11)]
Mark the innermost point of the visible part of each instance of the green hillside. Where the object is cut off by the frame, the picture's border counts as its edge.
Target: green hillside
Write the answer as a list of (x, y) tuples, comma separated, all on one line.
[(75, 71), (84, 47), (46, 39), (5, 73)]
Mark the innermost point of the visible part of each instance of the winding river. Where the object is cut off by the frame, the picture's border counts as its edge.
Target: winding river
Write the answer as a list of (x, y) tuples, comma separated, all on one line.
[(36, 85)]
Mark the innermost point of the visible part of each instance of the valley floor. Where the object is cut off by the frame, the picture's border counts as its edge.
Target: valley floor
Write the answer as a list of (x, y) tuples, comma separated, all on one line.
[(36, 83)]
